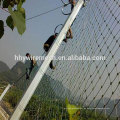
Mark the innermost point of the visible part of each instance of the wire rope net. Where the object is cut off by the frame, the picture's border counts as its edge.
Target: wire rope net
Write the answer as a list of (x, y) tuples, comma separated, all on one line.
[(92, 83)]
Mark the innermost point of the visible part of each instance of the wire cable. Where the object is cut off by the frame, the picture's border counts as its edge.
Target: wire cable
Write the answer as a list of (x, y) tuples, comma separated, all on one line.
[(44, 13)]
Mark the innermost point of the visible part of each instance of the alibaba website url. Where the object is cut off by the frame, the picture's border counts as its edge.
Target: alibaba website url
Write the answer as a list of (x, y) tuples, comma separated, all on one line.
[(67, 58)]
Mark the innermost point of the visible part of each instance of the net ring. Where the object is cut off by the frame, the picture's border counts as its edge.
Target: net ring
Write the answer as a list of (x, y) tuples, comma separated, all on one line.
[(55, 31)]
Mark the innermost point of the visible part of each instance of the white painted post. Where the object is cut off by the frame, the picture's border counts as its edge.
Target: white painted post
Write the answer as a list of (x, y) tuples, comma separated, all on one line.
[(31, 89), (5, 91)]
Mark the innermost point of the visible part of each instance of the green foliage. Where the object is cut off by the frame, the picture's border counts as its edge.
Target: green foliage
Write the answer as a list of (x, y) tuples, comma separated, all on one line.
[(10, 22), (50, 110), (83, 114), (72, 110), (1, 28), (45, 110), (19, 8), (90, 115), (22, 10), (17, 17), (13, 96), (19, 20), (25, 116)]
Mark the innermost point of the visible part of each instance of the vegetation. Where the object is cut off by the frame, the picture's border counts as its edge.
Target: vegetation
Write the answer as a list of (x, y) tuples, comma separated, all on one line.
[(13, 96), (2, 86), (16, 17), (45, 104), (49, 109)]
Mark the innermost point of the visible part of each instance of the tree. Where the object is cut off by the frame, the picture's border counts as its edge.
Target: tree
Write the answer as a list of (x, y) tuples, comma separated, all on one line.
[(16, 18)]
